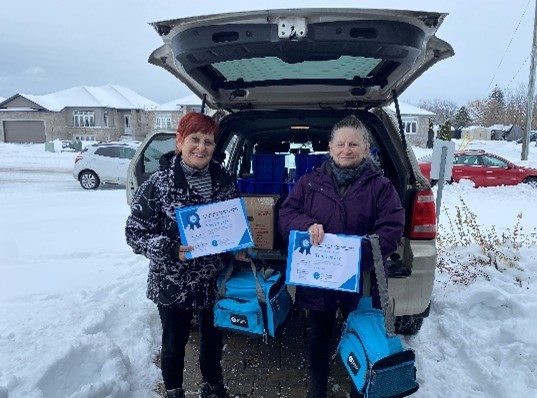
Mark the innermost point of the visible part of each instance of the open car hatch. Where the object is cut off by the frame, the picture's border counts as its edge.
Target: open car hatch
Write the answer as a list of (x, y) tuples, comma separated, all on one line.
[(292, 58)]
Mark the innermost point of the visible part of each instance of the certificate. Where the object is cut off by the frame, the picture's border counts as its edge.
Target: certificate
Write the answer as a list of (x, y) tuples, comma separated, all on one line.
[(214, 228), (334, 264)]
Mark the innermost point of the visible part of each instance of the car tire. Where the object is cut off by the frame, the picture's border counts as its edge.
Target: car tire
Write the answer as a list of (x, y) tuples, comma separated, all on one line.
[(89, 180), (531, 181), (408, 325)]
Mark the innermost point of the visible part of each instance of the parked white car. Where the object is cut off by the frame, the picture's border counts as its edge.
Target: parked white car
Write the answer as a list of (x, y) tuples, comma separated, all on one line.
[(104, 163)]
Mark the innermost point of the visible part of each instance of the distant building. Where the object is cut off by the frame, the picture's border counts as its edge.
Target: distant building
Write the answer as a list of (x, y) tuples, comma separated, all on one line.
[(415, 122), (508, 132), (167, 115), (104, 113), (475, 133)]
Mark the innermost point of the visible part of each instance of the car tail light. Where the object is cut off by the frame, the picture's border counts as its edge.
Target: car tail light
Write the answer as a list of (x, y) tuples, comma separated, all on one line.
[(79, 157), (423, 224)]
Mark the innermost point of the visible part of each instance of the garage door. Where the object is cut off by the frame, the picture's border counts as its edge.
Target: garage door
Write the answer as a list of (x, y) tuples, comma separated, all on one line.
[(28, 131)]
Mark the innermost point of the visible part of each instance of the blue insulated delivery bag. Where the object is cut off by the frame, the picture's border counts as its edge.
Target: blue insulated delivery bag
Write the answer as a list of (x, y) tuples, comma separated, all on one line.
[(251, 302), (377, 363), (374, 356)]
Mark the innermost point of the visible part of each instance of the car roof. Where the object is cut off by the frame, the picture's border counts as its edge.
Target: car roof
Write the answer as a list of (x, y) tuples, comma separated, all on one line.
[(471, 152), (300, 58), (133, 144)]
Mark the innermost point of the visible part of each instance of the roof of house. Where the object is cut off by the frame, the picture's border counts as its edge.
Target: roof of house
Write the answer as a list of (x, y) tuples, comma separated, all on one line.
[(109, 96), (2, 99), (407, 109), (469, 128), (176, 105)]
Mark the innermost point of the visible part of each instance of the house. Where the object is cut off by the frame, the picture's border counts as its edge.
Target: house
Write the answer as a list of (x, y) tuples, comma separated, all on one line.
[(167, 115), (415, 123), (101, 113)]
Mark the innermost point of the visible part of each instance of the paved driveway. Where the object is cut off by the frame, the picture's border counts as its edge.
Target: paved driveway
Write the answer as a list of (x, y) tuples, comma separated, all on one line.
[(278, 368)]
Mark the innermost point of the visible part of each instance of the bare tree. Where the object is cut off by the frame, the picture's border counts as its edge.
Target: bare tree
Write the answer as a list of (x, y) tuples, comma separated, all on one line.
[(515, 106), (476, 109), (443, 109), (495, 109)]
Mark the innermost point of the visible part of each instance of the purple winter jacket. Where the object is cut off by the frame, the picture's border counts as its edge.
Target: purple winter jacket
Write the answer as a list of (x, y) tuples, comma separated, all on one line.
[(370, 205)]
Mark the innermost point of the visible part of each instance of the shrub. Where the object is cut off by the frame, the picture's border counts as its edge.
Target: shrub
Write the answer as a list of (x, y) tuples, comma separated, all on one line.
[(501, 251)]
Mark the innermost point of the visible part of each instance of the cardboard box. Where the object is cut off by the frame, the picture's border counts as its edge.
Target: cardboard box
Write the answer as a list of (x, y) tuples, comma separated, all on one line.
[(260, 210)]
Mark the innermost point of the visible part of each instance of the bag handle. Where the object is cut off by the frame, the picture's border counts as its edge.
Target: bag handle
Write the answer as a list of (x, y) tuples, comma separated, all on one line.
[(385, 302), (259, 291)]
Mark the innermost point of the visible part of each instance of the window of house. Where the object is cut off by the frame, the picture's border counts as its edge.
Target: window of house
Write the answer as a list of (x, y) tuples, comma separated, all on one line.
[(84, 119), (84, 138), (105, 118), (410, 126), (163, 122)]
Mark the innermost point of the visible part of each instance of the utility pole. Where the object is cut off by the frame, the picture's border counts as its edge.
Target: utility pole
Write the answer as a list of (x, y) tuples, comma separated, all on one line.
[(531, 88)]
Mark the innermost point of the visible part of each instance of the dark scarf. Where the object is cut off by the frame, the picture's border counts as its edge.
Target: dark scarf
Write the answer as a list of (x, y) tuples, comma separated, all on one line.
[(345, 177)]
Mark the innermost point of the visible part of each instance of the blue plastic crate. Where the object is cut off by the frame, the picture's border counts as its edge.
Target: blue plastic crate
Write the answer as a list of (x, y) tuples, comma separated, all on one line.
[(269, 167), (245, 185), (306, 163), (273, 188)]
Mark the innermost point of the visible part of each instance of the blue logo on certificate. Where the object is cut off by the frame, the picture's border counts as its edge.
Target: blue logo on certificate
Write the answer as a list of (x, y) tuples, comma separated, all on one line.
[(191, 220), (333, 264), (304, 244)]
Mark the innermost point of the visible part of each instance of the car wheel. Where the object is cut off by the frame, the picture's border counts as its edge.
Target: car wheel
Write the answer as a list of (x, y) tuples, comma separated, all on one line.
[(408, 324), (531, 181), (89, 180)]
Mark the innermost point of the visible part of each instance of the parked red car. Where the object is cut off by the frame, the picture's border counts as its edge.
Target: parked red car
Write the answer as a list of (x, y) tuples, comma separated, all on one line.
[(484, 169)]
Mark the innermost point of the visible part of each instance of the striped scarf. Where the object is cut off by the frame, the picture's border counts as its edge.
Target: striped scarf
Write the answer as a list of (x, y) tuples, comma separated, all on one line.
[(199, 179)]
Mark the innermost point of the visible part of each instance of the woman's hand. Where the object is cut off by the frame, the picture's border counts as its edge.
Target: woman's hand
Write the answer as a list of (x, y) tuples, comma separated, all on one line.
[(180, 250), (316, 233)]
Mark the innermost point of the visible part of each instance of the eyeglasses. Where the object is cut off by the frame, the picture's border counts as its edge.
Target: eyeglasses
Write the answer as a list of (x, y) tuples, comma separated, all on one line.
[(197, 140)]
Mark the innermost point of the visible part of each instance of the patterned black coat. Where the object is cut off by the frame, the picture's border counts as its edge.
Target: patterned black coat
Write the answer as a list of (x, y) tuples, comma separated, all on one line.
[(152, 230)]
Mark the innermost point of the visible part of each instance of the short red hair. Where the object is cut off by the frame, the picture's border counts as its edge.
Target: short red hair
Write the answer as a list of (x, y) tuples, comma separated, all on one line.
[(195, 122)]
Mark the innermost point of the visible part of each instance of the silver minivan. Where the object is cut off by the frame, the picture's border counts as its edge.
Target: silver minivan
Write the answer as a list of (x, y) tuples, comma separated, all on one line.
[(282, 78)]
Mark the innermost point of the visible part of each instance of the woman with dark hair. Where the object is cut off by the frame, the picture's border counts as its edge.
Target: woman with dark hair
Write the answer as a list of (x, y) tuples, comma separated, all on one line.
[(181, 287), (348, 195)]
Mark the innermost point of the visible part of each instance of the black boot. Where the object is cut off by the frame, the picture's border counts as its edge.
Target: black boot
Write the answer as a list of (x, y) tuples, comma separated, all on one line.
[(317, 386), (213, 391), (175, 393)]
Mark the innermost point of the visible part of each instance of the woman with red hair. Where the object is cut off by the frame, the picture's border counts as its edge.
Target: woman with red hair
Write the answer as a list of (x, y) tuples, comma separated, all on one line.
[(181, 287)]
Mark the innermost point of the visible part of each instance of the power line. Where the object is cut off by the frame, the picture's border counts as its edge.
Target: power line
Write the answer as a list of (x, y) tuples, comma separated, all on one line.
[(519, 69), (510, 41)]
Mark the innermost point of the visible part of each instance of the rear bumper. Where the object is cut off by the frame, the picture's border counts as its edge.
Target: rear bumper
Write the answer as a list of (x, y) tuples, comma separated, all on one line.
[(412, 294)]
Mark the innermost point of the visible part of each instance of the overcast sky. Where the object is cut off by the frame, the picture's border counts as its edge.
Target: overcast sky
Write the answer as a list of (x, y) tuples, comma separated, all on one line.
[(48, 46)]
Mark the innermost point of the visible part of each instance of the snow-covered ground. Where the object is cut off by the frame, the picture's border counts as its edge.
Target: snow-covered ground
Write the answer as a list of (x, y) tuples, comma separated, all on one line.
[(75, 323)]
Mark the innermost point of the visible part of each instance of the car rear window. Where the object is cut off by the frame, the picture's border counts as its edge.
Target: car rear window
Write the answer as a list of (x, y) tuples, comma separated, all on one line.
[(110, 152), (272, 68)]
